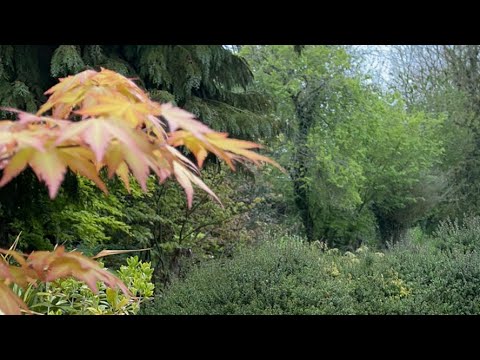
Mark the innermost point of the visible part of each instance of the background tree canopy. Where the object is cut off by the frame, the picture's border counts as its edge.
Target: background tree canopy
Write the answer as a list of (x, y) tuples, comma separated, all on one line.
[(359, 161)]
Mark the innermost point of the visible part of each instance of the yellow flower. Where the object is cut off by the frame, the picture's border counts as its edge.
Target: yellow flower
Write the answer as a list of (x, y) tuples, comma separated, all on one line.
[(333, 270), (403, 290)]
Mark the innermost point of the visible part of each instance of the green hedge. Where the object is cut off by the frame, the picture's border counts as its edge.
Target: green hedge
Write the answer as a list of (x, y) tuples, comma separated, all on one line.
[(288, 276)]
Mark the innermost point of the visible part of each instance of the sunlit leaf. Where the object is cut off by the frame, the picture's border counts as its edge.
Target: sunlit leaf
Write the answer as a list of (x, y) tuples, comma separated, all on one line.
[(50, 168), (16, 165), (179, 118), (58, 264), (10, 304), (80, 161), (104, 253)]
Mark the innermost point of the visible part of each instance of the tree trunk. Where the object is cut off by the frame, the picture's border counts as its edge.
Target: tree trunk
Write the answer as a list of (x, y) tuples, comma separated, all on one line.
[(298, 172)]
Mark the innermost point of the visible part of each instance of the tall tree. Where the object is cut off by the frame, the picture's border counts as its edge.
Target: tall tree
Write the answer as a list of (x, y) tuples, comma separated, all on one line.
[(303, 81), (358, 161), (209, 80)]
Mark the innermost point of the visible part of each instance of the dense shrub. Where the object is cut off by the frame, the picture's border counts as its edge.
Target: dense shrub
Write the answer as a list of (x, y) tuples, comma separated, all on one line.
[(289, 276), (283, 277), (72, 297), (445, 282), (453, 235)]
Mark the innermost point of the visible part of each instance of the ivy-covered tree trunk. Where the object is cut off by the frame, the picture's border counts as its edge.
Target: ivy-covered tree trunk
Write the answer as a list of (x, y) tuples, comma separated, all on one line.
[(299, 170), (390, 229)]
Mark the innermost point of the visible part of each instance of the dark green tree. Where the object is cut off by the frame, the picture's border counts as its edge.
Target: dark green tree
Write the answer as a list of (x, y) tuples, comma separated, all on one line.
[(303, 80), (209, 80)]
